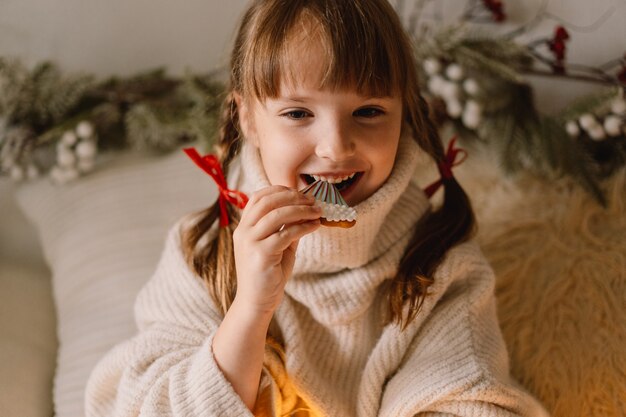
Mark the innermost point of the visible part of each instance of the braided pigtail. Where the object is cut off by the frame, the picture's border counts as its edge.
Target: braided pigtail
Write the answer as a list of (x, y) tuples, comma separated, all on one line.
[(438, 231), (214, 260)]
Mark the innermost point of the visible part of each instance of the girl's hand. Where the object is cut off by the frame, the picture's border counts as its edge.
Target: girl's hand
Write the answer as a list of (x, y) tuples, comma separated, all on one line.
[(265, 243)]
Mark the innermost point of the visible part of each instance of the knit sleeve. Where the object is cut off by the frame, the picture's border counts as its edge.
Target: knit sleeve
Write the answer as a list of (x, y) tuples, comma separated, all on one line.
[(168, 368), (457, 364)]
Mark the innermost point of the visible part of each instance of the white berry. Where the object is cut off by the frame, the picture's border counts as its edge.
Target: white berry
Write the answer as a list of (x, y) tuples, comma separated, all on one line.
[(432, 66), (572, 129), (454, 72), (618, 106), (473, 106), (471, 118), (68, 138), (84, 129), (86, 150), (454, 108), (450, 90), (471, 87), (435, 84), (17, 173), (587, 121), (597, 133), (613, 125), (65, 157)]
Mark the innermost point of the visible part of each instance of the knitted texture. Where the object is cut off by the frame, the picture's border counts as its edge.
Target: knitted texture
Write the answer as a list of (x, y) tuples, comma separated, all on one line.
[(338, 355)]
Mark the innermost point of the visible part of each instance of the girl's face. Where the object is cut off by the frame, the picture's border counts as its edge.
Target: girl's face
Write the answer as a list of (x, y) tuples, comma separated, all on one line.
[(307, 133)]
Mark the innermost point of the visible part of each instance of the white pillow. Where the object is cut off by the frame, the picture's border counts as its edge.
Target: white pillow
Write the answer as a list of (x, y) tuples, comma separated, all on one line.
[(102, 237), (27, 341)]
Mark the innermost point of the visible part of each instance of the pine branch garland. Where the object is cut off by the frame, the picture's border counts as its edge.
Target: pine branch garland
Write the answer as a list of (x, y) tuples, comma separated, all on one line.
[(473, 49), (568, 157), (40, 97), (592, 103), (149, 129), (41, 108), (472, 57)]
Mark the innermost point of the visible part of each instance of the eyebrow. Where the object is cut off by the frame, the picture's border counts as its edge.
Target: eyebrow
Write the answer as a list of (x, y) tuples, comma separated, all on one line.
[(301, 99), (297, 99)]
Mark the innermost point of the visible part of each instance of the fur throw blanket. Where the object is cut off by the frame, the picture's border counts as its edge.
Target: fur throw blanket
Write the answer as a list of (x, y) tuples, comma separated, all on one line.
[(560, 261)]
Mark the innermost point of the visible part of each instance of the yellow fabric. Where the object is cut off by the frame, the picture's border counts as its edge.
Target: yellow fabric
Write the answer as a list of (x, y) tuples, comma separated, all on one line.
[(277, 395)]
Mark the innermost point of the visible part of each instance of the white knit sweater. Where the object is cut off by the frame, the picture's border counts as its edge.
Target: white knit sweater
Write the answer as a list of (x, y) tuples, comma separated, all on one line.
[(339, 359)]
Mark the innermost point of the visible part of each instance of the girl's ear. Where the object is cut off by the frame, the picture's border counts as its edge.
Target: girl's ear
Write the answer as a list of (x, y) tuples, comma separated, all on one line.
[(246, 122)]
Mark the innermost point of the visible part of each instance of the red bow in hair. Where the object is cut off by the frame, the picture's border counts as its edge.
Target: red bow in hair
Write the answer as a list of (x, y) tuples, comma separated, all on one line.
[(445, 167), (558, 48), (211, 165), (496, 8)]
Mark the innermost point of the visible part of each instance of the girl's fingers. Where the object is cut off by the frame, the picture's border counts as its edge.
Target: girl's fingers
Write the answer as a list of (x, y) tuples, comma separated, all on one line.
[(282, 239), (266, 191), (277, 219), (271, 198)]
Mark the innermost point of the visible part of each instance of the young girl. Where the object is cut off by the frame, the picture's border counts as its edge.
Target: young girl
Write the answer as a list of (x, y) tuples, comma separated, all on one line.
[(265, 311)]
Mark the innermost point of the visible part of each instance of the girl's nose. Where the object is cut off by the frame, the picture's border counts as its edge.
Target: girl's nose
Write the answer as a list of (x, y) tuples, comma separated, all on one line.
[(336, 145)]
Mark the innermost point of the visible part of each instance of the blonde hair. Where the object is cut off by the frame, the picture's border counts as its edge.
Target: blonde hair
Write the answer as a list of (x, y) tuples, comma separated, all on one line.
[(367, 49)]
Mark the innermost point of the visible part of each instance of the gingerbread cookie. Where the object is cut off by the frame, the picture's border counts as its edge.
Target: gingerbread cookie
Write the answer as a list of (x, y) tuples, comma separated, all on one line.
[(335, 211)]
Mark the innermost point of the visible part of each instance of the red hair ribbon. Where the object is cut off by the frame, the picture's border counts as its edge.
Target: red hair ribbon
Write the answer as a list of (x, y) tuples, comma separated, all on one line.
[(445, 166), (211, 165)]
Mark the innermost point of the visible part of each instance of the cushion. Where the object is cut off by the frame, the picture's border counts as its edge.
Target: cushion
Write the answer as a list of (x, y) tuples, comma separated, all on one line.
[(102, 237), (28, 343)]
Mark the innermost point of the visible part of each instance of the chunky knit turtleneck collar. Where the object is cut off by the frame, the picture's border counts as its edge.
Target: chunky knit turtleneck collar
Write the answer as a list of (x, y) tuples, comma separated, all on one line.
[(337, 271)]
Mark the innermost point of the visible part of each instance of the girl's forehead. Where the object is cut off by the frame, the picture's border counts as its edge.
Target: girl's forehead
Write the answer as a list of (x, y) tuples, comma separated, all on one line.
[(305, 61), (308, 71)]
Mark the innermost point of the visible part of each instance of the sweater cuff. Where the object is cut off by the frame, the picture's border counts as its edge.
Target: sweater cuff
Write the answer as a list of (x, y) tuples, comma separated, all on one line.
[(219, 397)]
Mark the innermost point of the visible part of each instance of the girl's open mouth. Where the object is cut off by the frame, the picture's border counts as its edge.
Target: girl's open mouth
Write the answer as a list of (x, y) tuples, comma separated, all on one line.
[(344, 187)]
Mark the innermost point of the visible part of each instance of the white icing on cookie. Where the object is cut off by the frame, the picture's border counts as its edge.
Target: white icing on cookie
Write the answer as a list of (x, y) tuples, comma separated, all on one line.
[(336, 212)]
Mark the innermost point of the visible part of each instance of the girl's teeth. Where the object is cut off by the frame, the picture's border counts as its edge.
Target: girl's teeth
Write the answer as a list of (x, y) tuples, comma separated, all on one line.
[(332, 180)]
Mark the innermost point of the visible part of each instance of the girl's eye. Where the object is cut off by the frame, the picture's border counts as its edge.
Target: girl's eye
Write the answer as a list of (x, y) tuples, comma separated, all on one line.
[(368, 112), (296, 114)]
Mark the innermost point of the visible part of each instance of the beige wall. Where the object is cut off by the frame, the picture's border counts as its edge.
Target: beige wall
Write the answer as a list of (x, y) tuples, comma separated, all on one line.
[(125, 36), (120, 36)]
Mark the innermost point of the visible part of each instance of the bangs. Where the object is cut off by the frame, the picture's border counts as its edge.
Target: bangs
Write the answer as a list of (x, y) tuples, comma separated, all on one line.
[(365, 52)]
